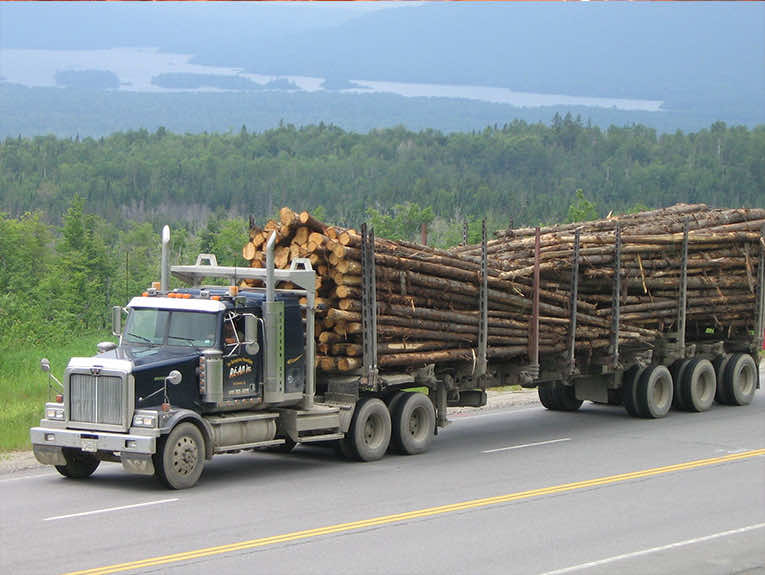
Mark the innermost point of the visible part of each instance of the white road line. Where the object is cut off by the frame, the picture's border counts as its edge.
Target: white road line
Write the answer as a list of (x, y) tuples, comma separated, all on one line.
[(527, 445), (615, 558), (107, 510)]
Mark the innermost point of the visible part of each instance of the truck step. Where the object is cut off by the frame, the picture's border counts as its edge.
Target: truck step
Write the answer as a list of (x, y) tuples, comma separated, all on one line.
[(240, 447), (325, 437)]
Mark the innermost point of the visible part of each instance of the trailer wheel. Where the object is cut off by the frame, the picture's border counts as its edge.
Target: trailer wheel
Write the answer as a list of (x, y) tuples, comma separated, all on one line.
[(740, 379), (719, 363), (564, 397), (414, 422), (629, 387), (180, 458), (370, 430), (654, 392), (79, 464), (678, 372), (545, 392), (698, 385)]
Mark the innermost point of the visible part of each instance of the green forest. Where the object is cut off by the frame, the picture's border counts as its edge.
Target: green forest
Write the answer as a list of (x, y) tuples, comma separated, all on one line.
[(80, 218)]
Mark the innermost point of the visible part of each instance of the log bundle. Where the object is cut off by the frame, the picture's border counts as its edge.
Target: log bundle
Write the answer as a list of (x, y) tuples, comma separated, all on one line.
[(722, 265), (427, 301)]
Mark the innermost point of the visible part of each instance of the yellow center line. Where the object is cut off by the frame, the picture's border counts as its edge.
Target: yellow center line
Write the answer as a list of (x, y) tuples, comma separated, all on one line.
[(409, 515)]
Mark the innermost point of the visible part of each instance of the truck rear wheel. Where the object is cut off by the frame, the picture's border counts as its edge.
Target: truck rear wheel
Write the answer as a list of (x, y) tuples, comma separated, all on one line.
[(413, 423), (678, 370), (740, 379), (719, 364), (369, 434), (654, 391), (629, 387), (698, 385), (180, 459), (79, 464)]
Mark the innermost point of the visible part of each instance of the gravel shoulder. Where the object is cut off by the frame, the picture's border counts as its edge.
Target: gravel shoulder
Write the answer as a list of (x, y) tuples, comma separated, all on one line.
[(19, 461)]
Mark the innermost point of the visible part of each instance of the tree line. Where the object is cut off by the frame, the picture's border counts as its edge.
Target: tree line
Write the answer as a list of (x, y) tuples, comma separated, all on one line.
[(527, 172)]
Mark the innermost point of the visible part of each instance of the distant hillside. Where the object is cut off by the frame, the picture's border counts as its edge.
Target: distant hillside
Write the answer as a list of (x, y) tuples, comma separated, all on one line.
[(530, 172)]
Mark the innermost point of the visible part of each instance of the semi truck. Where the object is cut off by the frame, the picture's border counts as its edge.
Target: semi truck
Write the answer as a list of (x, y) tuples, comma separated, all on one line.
[(216, 368)]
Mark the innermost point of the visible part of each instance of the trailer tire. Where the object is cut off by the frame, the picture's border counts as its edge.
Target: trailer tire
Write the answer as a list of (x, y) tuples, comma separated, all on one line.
[(180, 457), (678, 371), (740, 379), (79, 464), (546, 398), (629, 387), (564, 397), (654, 392), (698, 385), (719, 363), (370, 430), (413, 424)]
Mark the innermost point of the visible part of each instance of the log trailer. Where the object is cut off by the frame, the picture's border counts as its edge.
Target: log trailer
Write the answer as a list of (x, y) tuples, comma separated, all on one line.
[(212, 369)]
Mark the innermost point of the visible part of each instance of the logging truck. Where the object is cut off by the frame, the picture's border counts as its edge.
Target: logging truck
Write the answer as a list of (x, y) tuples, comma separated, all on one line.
[(213, 368)]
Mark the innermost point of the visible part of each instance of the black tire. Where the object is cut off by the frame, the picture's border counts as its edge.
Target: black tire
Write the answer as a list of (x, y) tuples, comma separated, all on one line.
[(546, 398), (698, 385), (344, 448), (180, 458), (654, 392), (79, 464), (740, 379), (369, 434), (629, 387), (564, 397), (719, 363), (413, 424), (677, 370), (393, 402)]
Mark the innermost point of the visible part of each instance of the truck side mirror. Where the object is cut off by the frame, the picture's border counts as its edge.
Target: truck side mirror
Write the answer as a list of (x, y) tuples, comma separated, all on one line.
[(117, 320), (251, 334)]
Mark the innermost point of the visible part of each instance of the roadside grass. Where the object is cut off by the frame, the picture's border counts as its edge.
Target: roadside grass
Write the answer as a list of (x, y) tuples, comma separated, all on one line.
[(24, 387)]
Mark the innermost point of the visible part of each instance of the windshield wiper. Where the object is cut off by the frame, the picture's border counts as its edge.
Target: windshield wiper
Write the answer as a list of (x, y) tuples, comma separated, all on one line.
[(146, 339)]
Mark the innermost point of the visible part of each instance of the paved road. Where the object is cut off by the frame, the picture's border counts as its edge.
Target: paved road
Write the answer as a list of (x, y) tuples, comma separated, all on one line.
[(510, 491)]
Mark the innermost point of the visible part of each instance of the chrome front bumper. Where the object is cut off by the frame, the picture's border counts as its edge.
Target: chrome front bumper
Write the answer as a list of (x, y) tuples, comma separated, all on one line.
[(134, 450)]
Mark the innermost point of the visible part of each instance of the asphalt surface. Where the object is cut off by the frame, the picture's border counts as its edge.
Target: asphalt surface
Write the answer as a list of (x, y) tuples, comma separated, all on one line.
[(540, 492)]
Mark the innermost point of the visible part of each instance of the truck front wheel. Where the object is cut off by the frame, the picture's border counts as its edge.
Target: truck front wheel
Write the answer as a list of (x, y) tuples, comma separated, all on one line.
[(180, 458), (79, 464)]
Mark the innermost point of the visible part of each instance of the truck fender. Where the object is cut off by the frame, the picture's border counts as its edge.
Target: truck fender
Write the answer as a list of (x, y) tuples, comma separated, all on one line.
[(179, 416)]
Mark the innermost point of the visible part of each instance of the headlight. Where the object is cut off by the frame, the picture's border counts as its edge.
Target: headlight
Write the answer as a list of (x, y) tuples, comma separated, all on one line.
[(145, 419), (54, 413)]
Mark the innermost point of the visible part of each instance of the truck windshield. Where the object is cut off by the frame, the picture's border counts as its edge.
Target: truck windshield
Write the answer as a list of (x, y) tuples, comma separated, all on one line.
[(149, 326)]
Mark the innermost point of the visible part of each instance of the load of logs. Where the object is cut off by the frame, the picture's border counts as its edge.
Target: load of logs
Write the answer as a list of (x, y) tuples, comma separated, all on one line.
[(723, 254), (428, 299)]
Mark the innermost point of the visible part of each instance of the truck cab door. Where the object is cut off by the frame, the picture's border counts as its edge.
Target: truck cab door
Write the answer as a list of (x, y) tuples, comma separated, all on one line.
[(242, 370)]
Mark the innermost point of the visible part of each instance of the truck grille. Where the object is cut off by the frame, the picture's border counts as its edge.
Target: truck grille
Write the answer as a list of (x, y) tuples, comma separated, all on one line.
[(95, 398)]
